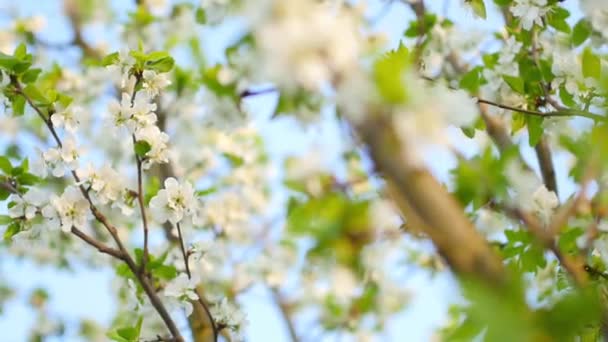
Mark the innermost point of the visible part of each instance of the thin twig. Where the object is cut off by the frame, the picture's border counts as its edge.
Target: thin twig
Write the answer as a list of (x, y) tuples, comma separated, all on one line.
[(98, 245), (542, 148), (286, 314), (140, 188), (148, 288), (183, 249), (559, 113), (142, 209), (166, 171)]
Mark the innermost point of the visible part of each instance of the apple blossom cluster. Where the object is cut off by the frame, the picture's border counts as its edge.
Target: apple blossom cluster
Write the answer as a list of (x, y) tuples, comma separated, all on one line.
[(308, 44)]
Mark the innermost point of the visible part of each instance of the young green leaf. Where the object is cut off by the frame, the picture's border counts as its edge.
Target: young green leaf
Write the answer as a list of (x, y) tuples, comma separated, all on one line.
[(592, 66)]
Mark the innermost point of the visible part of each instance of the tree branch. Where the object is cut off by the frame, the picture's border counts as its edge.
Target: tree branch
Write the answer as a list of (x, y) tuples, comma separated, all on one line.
[(566, 112), (286, 314), (126, 257), (442, 218), (545, 161), (98, 245), (201, 322)]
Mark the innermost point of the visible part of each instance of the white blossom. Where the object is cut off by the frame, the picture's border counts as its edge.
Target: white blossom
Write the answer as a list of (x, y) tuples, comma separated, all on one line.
[(66, 117), (174, 202), (27, 205), (182, 289), (159, 151), (120, 113), (308, 44), (106, 183), (71, 207), (154, 82), (230, 316), (597, 12), (544, 203), (530, 12), (58, 160)]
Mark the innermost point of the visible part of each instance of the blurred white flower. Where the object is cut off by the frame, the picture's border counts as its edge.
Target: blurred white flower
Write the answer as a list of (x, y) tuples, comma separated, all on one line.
[(530, 12), (71, 207), (174, 202)]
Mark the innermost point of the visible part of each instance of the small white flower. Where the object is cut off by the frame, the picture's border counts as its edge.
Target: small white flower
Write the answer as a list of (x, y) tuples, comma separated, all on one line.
[(509, 50), (173, 202), (72, 208), (230, 316), (59, 159), (544, 203), (182, 289), (143, 112), (121, 113), (154, 83), (28, 204), (159, 151), (105, 182), (530, 12), (66, 117)]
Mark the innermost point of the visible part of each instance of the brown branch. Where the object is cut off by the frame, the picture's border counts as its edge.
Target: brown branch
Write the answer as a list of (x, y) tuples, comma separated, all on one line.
[(183, 249), (201, 322), (286, 314), (574, 264), (542, 148), (8, 186), (140, 188), (442, 218), (74, 16), (142, 209), (558, 113), (112, 230), (201, 301), (545, 161), (98, 245)]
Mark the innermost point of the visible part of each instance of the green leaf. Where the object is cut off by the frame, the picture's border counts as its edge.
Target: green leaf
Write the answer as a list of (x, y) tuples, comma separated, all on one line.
[(205, 192), (581, 31), (471, 80), (566, 97), (5, 219), (592, 66), (27, 179), (235, 161), (388, 75), (20, 51), (5, 165), (11, 231), (110, 59), (166, 272), (17, 171), (557, 19), (18, 105), (31, 75), (567, 240), (479, 8), (201, 16), (516, 83), (469, 132), (518, 121), (535, 129), (141, 148), (8, 62), (4, 194), (35, 95), (164, 64)]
